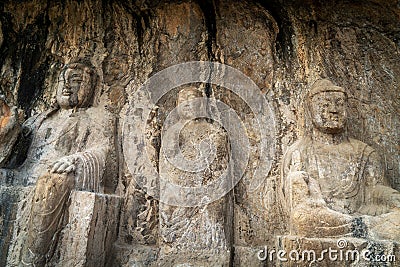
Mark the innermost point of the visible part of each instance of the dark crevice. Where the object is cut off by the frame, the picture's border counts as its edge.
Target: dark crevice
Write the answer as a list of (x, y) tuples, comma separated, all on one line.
[(209, 9), (108, 18), (283, 45), (312, 24), (33, 67), (8, 46), (141, 19), (27, 52)]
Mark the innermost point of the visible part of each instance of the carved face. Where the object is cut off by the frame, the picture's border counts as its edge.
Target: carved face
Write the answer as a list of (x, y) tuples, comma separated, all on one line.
[(186, 107), (328, 111), (74, 88)]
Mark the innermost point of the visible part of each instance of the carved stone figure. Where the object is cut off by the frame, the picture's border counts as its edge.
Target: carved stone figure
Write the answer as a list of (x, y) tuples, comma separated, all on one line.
[(201, 229), (69, 149), (335, 185)]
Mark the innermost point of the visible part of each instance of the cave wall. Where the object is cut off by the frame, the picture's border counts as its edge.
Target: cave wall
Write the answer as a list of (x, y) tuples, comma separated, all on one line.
[(283, 46)]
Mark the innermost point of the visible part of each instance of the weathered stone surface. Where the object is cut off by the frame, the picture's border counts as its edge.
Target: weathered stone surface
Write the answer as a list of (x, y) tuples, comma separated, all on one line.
[(249, 256), (283, 46), (91, 230), (335, 252), (15, 204), (86, 240), (134, 255), (334, 185)]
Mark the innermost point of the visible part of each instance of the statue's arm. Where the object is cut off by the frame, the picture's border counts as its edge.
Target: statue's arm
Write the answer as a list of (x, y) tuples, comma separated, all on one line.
[(378, 190), (292, 166)]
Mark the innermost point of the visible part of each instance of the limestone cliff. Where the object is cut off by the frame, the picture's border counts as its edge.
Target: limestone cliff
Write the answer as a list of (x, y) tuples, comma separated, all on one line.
[(283, 46)]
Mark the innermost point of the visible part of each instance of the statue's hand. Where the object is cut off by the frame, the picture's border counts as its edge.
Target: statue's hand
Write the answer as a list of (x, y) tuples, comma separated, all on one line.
[(64, 165)]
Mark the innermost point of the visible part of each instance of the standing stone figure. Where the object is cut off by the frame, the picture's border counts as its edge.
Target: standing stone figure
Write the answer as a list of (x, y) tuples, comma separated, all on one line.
[(192, 234), (335, 185), (70, 146)]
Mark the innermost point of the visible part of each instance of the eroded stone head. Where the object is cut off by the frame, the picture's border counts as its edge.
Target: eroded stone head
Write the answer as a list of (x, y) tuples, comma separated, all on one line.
[(186, 106), (76, 85)]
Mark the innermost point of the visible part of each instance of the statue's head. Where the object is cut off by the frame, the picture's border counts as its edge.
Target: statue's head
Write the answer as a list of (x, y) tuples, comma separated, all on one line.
[(326, 107), (186, 107), (76, 86)]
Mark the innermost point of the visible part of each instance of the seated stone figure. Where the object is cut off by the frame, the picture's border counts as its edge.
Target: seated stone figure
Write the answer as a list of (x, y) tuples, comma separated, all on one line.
[(70, 146), (333, 185), (191, 234)]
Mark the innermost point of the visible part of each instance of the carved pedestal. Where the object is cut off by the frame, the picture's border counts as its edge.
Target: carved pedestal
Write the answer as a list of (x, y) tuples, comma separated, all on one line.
[(90, 231), (184, 258)]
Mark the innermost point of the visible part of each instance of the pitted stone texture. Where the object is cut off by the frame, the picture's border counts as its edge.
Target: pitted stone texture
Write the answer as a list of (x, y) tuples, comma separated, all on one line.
[(15, 205), (282, 46)]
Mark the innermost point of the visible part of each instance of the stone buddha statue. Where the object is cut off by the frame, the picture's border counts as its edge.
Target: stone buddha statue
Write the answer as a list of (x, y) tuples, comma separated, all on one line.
[(333, 185), (199, 229), (69, 148)]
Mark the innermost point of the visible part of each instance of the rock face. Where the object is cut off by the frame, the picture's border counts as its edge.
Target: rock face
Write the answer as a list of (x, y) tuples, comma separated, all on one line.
[(118, 130)]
